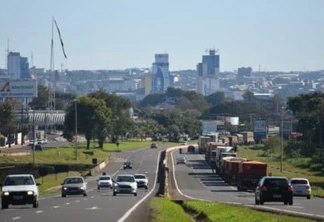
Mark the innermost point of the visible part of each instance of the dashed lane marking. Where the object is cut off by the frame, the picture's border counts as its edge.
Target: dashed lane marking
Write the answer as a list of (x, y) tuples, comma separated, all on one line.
[(16, 218), (39, 211), (56, 207)]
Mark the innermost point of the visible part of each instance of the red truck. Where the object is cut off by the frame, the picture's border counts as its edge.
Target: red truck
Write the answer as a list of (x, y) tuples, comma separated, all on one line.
[(231, 167), (249, 174)]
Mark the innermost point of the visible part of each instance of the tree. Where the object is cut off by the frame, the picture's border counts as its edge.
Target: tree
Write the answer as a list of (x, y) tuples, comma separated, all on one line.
[(41, 102), (119, 106), (92, 116), (7, 118)]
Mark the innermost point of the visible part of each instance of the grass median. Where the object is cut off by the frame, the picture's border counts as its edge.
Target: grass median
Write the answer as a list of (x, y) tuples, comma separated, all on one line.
[(163, 209)]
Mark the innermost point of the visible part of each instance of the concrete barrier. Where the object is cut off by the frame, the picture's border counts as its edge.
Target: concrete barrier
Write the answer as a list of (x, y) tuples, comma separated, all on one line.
[(96, 170)]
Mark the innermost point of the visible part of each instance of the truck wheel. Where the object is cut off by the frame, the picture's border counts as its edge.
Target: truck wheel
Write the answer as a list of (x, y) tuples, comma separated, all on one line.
[(135, 194), (114, 193)]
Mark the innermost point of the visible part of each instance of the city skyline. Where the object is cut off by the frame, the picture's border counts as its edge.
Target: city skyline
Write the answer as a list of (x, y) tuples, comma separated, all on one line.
[(275, 35)]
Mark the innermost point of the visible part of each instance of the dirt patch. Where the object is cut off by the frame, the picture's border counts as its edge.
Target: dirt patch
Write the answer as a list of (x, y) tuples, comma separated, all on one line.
[(54, 188), (15, 154)]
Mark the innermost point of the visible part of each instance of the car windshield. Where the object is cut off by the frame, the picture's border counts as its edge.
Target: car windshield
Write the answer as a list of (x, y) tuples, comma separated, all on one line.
[(299, 182), (181, 158), (73, 180), (140, 177), (104, 178), (128, 163), (125, 179), (21, 180), (276, 182)]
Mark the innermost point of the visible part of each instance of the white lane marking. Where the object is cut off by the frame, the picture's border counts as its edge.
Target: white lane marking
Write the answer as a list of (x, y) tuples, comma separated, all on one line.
[(92, 208), (67, 203), (16, 218), (92, 197), (56, 207), (176, 183), (84, 198), (39, 211), (128, 213), (77, 201)]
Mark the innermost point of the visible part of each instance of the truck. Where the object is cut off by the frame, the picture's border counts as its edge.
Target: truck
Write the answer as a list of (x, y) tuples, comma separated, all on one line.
[(222, 151), (202, 143), (249, 173), (210, 152), (240, 139), (233, 140), (231, 167), (248, 138)]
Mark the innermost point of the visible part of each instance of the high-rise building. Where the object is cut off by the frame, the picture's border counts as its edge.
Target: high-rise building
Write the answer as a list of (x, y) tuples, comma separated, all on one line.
[(208, 74), (18, 67), (160, 73), (14, 65), (24, 68), (244, 72)]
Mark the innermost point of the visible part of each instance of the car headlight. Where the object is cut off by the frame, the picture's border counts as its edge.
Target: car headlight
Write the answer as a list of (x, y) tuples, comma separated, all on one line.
[(5, 193), (83, 188), (64, 188), (30, 193)]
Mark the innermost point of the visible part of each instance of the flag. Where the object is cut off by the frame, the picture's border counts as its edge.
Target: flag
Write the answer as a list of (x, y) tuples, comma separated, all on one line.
[(58, 30)]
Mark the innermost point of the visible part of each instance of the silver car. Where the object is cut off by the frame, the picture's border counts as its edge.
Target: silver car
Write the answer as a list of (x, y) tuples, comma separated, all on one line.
[(181, 160), (75, 185), (125, 183), (301, 187)]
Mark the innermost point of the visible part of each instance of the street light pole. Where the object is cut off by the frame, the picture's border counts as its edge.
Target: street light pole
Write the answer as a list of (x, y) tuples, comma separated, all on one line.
[(34, 137), (281, 129), (76, 128)]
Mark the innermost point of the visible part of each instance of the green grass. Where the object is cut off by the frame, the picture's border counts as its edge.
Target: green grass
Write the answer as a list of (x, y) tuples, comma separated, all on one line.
[(65, 155), (50, 184), (229, 213), (164, 210), (293, 166)]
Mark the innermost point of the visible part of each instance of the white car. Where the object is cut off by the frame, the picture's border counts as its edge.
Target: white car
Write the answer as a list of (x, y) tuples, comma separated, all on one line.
[(141, 180), (125, 183), (301, 187), (181, 160), (104, 181), (19, 189)]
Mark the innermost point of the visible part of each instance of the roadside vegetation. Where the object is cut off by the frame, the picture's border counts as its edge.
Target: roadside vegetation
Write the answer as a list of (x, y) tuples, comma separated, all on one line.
[(164, 209)]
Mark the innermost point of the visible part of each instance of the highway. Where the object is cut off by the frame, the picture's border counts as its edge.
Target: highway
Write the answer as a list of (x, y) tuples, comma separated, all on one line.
[(97, 206), (195, 180)]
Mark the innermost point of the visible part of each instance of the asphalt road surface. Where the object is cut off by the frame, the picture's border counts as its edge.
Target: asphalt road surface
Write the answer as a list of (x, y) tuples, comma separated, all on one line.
[(195, 180), (97, 206)]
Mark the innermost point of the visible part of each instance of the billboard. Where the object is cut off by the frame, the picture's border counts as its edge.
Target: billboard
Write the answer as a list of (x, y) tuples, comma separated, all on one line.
[(260, 129), (18, 88)]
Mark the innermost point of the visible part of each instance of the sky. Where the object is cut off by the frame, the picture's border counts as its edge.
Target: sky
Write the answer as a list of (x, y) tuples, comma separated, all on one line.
[(270, 35)]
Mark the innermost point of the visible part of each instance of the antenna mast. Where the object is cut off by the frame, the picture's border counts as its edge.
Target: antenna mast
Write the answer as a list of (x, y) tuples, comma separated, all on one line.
[(7, 53), (52, 83)]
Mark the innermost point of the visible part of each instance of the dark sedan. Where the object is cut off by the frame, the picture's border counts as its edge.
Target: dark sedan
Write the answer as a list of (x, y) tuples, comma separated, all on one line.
[(274, 189)]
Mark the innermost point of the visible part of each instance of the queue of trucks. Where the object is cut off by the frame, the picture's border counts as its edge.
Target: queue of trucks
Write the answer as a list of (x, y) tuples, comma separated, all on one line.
[(222, 158)]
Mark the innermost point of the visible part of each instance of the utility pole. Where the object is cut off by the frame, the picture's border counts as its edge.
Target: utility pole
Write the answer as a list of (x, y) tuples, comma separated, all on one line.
[(76, 129), (34, 136), (281, 129)]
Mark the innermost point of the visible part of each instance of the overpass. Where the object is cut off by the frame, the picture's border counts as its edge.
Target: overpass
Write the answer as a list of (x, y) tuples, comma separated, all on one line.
[(40, 117)]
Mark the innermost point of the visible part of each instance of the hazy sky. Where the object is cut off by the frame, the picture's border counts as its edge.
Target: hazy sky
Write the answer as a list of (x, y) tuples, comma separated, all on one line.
[(99, 34)]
